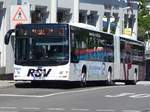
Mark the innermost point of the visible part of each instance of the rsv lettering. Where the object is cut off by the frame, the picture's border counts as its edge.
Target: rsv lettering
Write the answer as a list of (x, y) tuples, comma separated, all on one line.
[(38, 72)]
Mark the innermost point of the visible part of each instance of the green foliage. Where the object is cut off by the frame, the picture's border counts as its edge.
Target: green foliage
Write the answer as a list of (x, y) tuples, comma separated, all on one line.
[(143, 21)]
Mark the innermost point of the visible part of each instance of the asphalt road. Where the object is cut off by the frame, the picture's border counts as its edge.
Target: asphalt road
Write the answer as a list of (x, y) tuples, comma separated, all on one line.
[(120, 98)]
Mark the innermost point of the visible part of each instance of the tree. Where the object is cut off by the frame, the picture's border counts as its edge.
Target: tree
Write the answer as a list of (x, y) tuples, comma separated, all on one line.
[(143, 21)]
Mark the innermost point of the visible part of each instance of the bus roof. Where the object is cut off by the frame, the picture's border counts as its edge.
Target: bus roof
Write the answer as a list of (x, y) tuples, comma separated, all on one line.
[(84, 26)]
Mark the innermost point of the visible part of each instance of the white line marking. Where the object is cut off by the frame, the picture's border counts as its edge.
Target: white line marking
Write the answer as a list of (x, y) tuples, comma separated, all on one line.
[(60, 93), (8, 107), (140, 96), (119, 95), (7, 111), (131, 111), (80, 109), (32, 108), (105, 110), (15, 95), (58, 109)]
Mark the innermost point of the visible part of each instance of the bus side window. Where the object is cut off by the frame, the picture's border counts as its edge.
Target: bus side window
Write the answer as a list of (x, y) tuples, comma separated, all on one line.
[(74, 58)]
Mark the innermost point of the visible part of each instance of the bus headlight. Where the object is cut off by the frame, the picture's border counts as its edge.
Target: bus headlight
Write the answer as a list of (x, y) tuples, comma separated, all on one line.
[(63, 72)]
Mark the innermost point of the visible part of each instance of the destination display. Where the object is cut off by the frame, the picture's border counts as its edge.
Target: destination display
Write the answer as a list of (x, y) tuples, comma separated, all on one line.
[(48, 32), (41, 31)]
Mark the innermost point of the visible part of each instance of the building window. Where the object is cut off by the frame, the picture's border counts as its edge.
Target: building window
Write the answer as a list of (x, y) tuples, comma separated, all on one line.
[(19, 2), (36, 16), (82, 16), (39, 15), (107, 6), (63, 16), (92, 18)]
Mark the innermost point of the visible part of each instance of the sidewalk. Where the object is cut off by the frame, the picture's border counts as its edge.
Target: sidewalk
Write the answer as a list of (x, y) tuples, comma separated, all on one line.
[(6, 83), (144, 82)]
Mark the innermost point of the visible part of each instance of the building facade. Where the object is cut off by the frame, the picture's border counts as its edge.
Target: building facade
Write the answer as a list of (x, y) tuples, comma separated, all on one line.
[(112, 16)]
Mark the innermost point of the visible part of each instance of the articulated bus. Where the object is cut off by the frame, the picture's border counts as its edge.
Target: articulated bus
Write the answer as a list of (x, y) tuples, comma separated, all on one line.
[(74, 52)]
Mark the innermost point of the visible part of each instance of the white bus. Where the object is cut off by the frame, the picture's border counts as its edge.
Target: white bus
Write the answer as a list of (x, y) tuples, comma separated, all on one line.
[(75, 52)]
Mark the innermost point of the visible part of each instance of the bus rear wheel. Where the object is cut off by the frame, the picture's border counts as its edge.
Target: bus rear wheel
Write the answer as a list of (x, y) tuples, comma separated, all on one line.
[(134, 81), (135, 78)]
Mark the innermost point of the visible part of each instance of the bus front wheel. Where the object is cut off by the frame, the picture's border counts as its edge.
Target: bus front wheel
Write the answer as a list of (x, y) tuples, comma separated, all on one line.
[(83, 80)]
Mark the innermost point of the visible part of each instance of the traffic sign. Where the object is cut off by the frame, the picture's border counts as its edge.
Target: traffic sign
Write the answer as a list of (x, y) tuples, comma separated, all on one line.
[(20, 14)]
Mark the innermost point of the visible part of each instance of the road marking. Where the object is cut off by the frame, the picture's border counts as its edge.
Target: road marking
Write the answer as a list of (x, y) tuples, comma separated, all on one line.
[(105, 110), (77, 91), (80, 109), (16, 95), (61, 93), (8, 111), (131, 111), (119, 95), (63, 109), (31, 108), (140, 96), (130, 95), (8, 107), (58, 109)]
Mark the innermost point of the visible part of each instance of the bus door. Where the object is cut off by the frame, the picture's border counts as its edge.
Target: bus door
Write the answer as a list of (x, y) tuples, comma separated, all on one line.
[(127, 60)]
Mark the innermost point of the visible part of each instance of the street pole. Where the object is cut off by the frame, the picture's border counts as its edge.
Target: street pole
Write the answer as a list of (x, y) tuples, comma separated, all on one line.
[(53, 11), (76, 11), (109, 23)]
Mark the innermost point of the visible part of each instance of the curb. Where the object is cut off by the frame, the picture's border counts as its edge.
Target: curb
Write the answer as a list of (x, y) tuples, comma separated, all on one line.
[(5, 84), (143, 83)]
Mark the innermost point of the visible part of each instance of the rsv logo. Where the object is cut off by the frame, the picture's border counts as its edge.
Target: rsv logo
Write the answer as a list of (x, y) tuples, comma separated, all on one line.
[(38, 72)]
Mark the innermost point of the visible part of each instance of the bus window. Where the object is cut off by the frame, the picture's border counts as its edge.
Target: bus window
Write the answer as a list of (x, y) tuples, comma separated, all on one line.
[(38, 52), (74, 58)]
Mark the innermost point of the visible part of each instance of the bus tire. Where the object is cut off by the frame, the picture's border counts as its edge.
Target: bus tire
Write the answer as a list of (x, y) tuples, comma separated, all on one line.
[(109, 77), (134, 81), (83, 81), (135, 78)]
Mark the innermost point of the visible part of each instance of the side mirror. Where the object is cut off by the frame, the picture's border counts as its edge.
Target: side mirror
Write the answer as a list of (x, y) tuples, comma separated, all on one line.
[(8, 35)]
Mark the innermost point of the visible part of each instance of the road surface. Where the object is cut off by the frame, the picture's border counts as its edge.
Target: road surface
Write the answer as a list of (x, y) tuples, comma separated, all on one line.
[(119, 98)]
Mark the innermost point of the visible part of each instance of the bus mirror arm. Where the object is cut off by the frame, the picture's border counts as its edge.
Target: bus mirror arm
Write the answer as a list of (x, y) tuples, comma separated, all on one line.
[(8, 35)]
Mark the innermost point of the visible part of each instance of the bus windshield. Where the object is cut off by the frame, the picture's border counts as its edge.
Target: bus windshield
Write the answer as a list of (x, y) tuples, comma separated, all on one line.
[(41, 51)]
